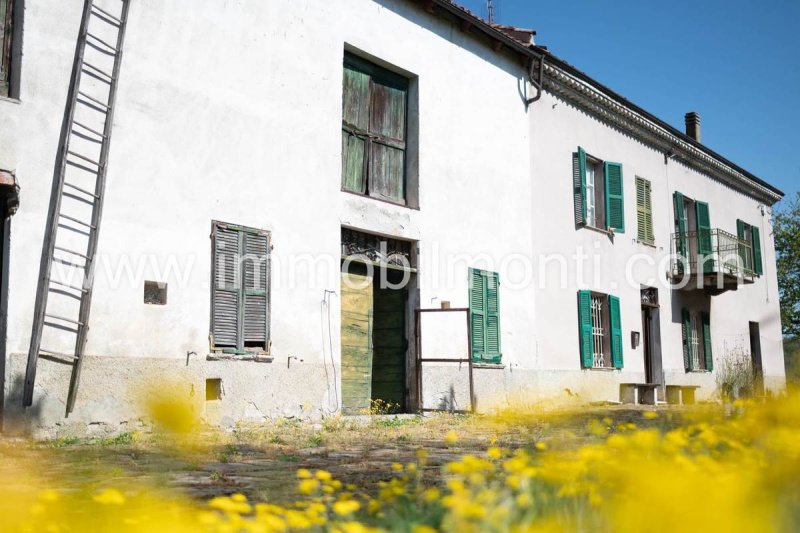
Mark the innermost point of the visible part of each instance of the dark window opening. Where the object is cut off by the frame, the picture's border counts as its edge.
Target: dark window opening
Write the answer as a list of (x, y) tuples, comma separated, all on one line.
[(213, 389), (155, 293), (10, 46)]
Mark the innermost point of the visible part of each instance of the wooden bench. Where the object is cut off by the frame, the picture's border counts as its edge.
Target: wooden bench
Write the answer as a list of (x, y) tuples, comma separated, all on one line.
[(681, 394), (636, 393)]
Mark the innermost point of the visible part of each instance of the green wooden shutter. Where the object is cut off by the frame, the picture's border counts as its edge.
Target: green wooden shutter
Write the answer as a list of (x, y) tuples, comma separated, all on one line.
[(492, 352), (705, 320), (704, 244), (225, 290), (615, 203), (579, 186), (355, 123), (615, 318), (585, 328), (255, 289), (680, 225), (644, 211), (477, 316), (740, 233), (758, 267), (686, 317)]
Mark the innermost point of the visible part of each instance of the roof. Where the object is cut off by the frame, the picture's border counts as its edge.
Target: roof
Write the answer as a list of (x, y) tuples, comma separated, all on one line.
[(514, 40)]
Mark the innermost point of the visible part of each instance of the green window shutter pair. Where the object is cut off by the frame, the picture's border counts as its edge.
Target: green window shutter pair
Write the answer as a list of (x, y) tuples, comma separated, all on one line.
[(374, 103), (756, 265), (586, 327), (614, 192), (705, 334), (484, 316), (644, 211), (240, 288)]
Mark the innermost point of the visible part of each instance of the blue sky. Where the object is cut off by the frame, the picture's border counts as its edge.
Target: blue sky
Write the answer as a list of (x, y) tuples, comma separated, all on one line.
[(736, 62)]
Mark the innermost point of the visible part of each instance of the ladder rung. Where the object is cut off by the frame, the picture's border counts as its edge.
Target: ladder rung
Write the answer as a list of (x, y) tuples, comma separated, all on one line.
[(100, 48), (78, 198), (96, 101), (101, 41), (68, 263), (73, 219), (57, 317), (82, 167), (64, 293), (87, 137), (107, 17), (68, 286), (60, 248), (75, 230), (97, 73), (62, 327), (58, 354), (79, 156), (91, 105), (84, 191), (87, 127)]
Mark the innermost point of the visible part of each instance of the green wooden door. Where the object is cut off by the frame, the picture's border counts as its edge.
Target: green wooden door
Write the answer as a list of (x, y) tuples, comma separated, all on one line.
[(389, 348), (357, 313)]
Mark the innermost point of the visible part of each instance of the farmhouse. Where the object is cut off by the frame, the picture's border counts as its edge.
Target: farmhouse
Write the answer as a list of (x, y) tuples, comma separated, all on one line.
[(304, 207)]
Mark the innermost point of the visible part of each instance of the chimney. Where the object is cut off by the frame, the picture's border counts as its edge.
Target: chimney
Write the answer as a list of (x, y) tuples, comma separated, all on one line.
[(693, 125)]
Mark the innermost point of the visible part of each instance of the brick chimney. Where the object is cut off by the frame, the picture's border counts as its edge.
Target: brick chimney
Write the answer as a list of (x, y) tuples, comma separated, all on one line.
[(693, 125)]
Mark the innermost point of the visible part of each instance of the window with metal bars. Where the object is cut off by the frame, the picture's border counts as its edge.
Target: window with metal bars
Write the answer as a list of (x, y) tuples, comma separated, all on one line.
[(374, 130), (600, 338), (240, 289), (600, 328), (697, 347)]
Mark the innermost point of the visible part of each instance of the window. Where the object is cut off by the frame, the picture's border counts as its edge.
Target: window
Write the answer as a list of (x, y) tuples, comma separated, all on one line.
[(644, 211), (600, 324), (374, 108), (10, 18), (693, 235), (597, 193), (697, 352), (240, 289), (155, 293), (484, 316), (751, 256)]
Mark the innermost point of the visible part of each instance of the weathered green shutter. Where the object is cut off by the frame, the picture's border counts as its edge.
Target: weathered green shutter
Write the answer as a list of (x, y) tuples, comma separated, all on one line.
[(254, 294), (388, 141), (615, 318), (355, 123), (615, 202), (644, 211), (758, 267), (225, 293), (740, 233), (492, 314), (680, 224), (579, 186), (585, 328), (704, 245), (484, 308), (705, 321), (688, 348), (477, 317)]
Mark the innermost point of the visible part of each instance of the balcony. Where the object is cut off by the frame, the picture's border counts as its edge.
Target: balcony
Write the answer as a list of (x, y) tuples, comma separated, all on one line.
[(710, 260)]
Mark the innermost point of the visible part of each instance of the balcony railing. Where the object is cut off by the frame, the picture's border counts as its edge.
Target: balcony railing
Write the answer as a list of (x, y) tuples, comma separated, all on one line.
[(713, 253)]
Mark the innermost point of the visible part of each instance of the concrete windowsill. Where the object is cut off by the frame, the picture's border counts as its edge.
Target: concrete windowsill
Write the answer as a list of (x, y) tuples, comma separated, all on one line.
[(598, 230), (257, 358), (494, 366), (10, 100), (603, 369), (647, 244)]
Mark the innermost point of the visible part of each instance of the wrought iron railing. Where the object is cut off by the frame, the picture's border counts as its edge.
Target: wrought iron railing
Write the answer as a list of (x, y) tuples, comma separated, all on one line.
[(712, 251)]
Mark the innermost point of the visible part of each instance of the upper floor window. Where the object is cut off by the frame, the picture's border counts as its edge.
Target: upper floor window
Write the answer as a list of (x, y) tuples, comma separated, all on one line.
[(750, 255), (374, 117), (10, 16), (600, 322), (597, 193), (644, 211)]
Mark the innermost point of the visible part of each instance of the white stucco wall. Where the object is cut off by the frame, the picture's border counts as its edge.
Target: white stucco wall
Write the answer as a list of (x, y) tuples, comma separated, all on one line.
[(232, 112)]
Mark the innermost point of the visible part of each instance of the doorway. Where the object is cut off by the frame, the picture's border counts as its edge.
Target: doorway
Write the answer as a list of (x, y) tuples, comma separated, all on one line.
[(373, 340), (651, 339), (755, 357)]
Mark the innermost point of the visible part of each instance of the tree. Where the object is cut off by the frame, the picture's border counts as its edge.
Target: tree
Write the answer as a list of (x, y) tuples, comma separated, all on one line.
[(786, 226)]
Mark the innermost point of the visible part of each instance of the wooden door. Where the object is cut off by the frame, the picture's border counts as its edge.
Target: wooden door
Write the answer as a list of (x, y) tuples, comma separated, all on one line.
[(389, 348), (356, 332)]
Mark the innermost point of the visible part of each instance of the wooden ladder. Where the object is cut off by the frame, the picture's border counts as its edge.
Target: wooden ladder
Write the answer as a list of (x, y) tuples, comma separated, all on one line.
[(76, 199)]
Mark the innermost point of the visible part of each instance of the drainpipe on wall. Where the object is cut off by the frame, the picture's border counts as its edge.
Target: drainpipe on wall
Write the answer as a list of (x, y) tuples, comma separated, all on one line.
[(536, 81)]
